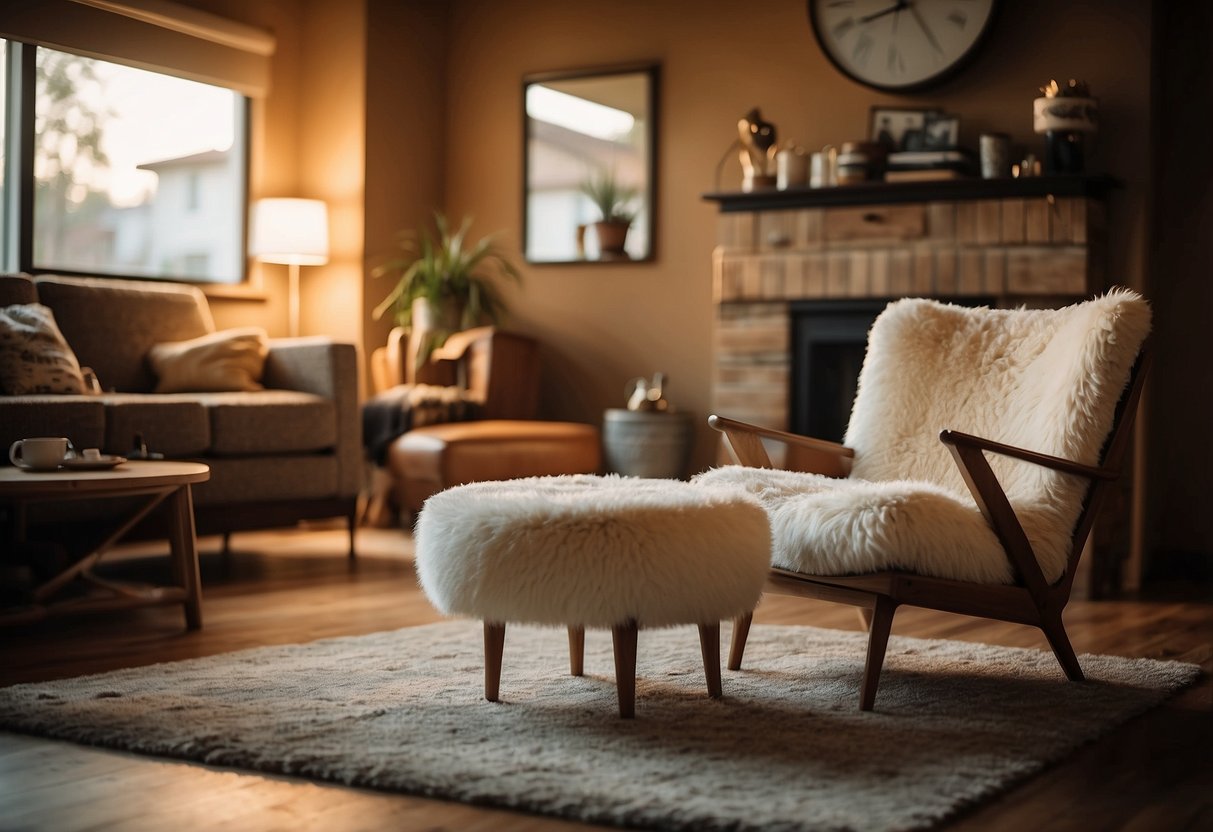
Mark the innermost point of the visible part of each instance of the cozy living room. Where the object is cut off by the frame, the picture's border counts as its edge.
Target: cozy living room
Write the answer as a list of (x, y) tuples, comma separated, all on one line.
[(450, 414)]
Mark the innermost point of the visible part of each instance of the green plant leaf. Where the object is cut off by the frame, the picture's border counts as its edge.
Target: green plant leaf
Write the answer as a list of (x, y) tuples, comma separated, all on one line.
[(445, 266)]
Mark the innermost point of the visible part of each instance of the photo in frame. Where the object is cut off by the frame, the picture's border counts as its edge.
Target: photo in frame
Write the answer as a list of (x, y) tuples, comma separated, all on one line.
[(900, 128), (941, 132)]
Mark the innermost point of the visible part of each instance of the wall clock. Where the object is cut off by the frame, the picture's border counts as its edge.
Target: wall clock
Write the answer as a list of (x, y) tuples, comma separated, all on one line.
[(900, 45)]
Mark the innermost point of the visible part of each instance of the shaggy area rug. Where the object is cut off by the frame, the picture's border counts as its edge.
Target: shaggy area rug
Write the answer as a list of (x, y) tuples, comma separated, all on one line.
[(786, 749)]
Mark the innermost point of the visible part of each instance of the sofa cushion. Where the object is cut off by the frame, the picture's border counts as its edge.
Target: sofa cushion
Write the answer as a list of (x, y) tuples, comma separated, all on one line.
[(80, 418), (267, 478), (174, 424), (232, 359), (269, 422), (34, 358), (111, 324)]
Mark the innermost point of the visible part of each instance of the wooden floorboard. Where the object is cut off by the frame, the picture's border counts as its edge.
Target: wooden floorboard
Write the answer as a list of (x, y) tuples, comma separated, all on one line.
[(1156, 773)]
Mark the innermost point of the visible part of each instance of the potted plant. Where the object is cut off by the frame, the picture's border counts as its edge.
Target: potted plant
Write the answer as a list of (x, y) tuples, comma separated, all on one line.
[(445, 285), (612, 201)]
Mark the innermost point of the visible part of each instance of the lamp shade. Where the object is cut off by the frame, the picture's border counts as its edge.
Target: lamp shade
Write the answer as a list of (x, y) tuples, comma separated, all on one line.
[(291, 231)]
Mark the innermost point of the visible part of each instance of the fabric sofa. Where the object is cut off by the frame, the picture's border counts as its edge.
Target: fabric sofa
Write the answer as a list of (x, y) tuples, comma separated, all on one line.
[(288, 452)]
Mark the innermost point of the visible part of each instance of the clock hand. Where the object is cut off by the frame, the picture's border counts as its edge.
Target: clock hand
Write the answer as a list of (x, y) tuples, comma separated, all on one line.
[(901, 4), (923, 25)]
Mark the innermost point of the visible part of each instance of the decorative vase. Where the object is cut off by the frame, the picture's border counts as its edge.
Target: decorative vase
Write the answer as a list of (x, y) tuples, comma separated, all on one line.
[(1065, 120), (611, 236)]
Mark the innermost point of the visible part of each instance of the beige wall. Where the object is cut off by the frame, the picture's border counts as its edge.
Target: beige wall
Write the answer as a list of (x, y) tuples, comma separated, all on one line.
[(602, 325), (405, 134), (308, 139)]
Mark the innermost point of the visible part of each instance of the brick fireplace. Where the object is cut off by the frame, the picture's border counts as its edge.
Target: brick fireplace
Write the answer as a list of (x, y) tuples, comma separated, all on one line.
[(793, 268)]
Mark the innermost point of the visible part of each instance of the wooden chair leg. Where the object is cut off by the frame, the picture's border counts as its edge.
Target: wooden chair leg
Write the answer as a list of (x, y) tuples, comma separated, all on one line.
[(709, 645), (865, 618), (351, 522), (878, 640), (494, 644), (1055, 632), (624, 636), (577, 651), (741, 631)]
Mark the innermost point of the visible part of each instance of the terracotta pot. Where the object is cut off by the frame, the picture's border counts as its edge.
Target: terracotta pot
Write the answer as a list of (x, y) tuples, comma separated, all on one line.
[(611, 236)]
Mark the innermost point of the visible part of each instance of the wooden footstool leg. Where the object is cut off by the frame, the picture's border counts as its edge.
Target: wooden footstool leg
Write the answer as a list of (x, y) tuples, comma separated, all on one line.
[(624, 636), (577, 651), (741, 631), (494, 643), (709, 643)]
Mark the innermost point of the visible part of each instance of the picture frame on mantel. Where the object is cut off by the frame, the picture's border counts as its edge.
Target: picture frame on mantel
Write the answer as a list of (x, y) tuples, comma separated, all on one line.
[(589, 165), (900, 128)]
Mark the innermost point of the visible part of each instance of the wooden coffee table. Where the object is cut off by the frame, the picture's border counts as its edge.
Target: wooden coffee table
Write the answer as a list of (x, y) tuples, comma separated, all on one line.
[(159, 483)]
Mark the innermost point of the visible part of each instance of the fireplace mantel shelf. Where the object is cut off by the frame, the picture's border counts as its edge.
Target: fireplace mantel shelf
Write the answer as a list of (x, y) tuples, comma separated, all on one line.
[(871, 193)]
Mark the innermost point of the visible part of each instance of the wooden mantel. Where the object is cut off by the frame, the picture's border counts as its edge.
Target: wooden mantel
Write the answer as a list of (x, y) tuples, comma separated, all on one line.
[(870, 193)]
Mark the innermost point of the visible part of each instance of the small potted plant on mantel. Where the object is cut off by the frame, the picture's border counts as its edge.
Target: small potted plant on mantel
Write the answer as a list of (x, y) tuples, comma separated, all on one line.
[(445, 285), (613, 202)]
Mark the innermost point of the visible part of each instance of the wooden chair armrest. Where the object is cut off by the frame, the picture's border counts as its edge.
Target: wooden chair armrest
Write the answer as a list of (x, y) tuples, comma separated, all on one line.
[(746, 442), (987, 492), (952, 437), (724, 425)]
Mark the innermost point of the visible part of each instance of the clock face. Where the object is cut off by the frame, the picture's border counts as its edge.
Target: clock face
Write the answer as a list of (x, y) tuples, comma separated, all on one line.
[(899, 45)]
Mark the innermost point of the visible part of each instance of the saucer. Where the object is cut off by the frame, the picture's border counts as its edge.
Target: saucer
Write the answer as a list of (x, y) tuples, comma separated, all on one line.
[(100, 463), (37, 469)]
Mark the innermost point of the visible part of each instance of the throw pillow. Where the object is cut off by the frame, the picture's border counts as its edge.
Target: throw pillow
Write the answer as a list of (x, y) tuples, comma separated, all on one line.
[(34, 357), (230, 360)]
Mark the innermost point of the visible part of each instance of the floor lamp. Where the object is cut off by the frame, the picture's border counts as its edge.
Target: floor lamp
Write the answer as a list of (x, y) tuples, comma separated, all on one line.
[(294, 232)]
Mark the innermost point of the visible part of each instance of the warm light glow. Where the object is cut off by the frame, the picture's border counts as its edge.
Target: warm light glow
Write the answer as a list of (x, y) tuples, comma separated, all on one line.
[(291, 231), (578, 114)]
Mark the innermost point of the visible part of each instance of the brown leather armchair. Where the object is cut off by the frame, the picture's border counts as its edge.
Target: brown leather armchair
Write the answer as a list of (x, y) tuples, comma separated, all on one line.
[(499, 372)]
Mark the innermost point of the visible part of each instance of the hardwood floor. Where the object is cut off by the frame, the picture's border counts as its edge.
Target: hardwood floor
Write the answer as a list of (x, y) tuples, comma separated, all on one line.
[(1156, 773)]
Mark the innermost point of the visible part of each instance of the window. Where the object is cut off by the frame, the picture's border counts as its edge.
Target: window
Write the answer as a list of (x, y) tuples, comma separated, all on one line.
[(132, 173)]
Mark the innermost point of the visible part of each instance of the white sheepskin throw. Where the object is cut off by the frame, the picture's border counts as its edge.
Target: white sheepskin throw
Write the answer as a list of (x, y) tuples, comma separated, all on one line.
[(1045, 380), (593, 551)]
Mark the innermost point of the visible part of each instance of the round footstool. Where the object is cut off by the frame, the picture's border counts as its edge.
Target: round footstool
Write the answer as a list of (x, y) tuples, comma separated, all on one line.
[(598, 552)]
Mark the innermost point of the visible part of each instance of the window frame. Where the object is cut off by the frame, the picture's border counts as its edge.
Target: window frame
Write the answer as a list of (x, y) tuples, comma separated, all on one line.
[(18, 230)]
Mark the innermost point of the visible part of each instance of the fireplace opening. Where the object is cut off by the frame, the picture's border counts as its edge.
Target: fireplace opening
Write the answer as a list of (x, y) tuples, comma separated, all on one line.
[(829, 339), (828, 343)]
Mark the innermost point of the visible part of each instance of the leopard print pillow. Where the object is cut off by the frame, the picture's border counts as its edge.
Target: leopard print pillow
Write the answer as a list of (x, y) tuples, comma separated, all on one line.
[(34, 357)]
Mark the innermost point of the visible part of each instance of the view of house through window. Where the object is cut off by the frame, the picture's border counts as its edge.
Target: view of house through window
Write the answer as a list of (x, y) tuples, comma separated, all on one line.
[(136, 173)]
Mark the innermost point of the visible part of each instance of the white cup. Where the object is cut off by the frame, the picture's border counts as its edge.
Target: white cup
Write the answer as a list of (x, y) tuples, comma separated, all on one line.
[(91, 453), (40, 452)]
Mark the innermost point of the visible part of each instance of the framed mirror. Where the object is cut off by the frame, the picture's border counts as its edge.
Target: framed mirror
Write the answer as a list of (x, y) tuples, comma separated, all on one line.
[(589, 174)]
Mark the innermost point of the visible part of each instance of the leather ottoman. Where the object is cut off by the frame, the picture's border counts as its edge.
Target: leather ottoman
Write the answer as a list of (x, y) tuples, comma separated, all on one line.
[(429, 459)]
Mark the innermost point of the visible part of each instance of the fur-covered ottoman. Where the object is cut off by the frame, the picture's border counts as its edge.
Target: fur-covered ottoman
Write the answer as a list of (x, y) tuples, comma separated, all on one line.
[(598, 552)]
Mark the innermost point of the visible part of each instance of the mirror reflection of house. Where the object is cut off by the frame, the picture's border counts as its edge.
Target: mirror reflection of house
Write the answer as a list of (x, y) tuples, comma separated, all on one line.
[(580, 129)]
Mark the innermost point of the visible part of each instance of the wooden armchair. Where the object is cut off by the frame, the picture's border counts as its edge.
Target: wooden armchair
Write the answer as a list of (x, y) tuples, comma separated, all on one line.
[(1065, 382)]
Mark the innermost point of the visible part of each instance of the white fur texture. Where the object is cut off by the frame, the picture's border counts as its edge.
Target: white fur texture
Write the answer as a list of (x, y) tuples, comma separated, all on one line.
[(1046, 380), (593, 551)]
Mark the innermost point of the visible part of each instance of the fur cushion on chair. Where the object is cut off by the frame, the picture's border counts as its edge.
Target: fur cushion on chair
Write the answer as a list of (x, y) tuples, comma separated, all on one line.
[(593, 551), (1047, 380)]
